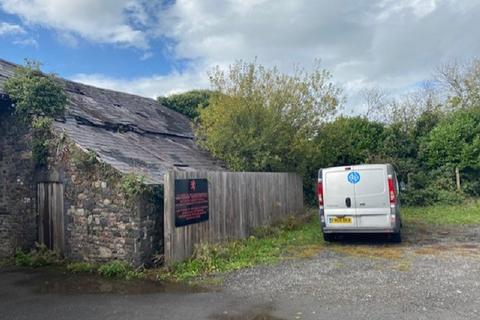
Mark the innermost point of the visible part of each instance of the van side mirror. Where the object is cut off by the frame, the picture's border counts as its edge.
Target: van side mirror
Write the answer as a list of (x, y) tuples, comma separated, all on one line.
[(403, 186)]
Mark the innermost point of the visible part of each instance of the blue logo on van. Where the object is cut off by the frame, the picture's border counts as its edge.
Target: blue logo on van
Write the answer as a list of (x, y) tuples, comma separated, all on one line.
[(353, 177)]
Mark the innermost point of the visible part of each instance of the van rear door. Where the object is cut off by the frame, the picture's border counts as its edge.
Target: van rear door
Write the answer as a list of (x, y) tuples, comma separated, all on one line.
[(339, 198), (371, 195)]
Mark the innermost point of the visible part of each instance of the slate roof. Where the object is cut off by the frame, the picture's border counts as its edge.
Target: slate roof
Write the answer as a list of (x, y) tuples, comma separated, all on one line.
[(129, 132)]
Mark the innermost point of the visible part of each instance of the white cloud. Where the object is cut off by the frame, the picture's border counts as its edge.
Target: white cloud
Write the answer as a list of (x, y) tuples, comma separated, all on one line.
[(18, 34), (153, 86), (104, 21), (27, 42), (10, 29), (389, 43), (392, 44)]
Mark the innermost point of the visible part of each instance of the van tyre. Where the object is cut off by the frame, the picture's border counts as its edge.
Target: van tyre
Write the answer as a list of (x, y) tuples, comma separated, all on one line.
[(328, 237), (397, 237)]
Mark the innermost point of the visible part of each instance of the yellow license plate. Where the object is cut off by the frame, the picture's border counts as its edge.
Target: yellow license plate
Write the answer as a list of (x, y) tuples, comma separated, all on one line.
[(341, 220)]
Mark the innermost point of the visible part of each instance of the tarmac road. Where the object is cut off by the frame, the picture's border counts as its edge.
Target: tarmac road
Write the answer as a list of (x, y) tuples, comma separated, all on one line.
[(430, 276)]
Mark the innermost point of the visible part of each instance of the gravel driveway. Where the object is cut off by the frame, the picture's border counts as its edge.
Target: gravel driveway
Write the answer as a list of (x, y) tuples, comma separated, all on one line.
[(432, 275)]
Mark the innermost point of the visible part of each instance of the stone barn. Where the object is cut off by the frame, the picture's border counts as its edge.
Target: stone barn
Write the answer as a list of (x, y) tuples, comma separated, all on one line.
[(99, 196)]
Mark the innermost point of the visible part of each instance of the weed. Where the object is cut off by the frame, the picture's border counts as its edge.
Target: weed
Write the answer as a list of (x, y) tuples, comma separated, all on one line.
[(465, 214), (81, 267), (268, 246), (133, 185), (39, 257), (114, 269), (382, 252), (6, 262), (404, 266), (41, 139), (119, 269), (84, 160)]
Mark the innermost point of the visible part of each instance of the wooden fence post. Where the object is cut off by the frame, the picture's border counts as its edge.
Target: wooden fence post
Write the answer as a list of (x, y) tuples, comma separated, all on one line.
[(457, 179)]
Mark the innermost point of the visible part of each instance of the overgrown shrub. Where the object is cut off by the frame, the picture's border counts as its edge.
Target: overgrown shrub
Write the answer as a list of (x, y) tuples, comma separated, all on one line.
[(38, 257), (42, 134), (133, 185), (83, 160), (119, 269), (37, 99), (34, 93), (81, 267), (115, 269)]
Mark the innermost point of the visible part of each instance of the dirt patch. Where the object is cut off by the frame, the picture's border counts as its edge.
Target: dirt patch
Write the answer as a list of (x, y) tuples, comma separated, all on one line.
[(469, 249), (307, 251), (428, 234), (403, 265), (371, 251)]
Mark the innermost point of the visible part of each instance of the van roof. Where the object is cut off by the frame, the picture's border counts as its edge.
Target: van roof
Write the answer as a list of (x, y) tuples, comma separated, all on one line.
[(388, 166)]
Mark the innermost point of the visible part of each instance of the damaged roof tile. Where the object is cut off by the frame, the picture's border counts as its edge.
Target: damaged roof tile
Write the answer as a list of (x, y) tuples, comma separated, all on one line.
[(129, 132)]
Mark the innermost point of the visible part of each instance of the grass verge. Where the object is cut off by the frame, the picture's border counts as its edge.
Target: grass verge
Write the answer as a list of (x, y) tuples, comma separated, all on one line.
[(292, 238), (448, 215)]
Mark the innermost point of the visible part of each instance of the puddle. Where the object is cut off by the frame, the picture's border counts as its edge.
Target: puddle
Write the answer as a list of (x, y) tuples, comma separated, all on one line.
[(256, 313), (56, 282)]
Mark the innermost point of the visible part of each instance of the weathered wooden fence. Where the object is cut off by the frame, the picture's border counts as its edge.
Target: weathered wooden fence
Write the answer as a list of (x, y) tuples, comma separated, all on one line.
[(238, 203)]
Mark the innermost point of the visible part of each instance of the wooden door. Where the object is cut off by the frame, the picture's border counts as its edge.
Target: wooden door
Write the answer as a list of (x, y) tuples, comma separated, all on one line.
[(51, 217)]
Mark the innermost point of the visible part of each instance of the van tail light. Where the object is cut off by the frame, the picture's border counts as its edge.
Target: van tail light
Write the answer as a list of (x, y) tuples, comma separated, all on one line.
[(391, 190), (320, 193)]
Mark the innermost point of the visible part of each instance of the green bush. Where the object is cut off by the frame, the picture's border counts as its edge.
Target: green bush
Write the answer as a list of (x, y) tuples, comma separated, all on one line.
[(449, 197), (300, 238), (81, 267), (39, 257), (115, 269), (417, 197), (34, 93), (119, 269), (187, 103), (133, 185)]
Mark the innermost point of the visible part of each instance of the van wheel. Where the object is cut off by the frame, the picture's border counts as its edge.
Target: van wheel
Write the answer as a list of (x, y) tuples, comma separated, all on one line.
[(328, 237), (397, 237)]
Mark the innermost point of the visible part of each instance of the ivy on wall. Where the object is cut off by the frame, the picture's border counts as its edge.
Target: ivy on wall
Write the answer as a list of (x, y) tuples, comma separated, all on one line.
[(37, 99)]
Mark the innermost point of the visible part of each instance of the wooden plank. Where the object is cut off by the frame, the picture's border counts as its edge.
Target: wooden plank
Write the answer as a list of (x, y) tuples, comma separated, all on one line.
[(58, 217), (50, 207)]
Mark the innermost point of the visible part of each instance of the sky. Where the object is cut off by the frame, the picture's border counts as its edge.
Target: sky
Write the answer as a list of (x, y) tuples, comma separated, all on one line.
[(153, 48)]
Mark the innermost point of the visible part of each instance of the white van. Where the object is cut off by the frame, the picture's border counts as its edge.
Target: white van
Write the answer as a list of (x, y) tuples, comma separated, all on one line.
[(359, 199)]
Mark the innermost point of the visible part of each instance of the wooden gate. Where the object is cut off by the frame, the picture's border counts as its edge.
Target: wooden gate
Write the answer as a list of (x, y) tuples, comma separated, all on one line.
[(50, 213)]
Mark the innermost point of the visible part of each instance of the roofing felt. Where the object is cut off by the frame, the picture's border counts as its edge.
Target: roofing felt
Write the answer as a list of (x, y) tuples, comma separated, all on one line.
[(129, 132)]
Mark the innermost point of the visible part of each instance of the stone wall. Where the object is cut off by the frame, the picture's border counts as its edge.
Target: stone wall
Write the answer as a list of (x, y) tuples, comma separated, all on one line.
[(102, 222), (17, 189)]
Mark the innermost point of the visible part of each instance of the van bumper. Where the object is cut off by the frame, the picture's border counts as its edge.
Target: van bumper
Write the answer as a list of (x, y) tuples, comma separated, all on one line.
[(360, 230)]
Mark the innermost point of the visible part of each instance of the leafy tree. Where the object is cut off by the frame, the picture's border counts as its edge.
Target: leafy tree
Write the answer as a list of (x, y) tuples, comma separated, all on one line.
[(187, 103), (262, 120), (455, 141), (348, 140), (461, 81), (34, 93)]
